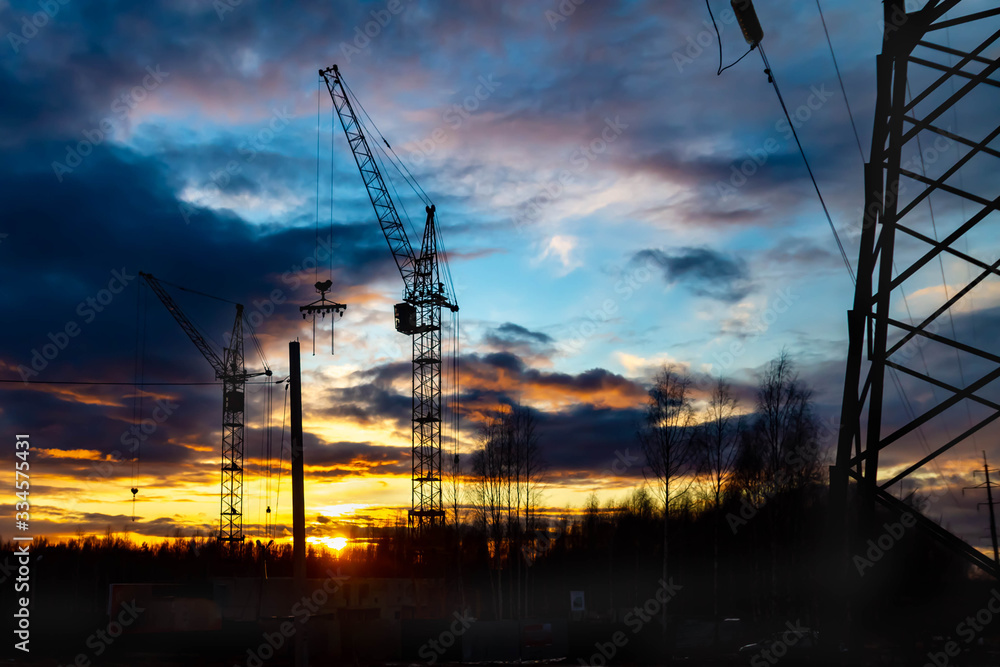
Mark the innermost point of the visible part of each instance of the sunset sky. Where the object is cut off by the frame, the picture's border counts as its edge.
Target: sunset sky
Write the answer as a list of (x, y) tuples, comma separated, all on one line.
[(585, 169)]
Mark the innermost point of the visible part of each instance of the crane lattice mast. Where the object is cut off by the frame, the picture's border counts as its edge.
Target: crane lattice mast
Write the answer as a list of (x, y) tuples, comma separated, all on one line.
[(231, 369), (419, 315)]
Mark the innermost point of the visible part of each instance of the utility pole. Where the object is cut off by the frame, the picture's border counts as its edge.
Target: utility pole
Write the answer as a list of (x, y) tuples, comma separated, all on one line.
[(298, 496), (988, 485)]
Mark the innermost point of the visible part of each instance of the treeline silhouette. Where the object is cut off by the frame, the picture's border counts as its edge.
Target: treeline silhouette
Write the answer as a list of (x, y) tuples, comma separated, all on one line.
[(733, 510)]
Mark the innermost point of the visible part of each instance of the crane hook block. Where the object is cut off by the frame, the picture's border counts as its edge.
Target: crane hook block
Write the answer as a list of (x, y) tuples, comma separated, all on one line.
[(749, 23), (134, 490)]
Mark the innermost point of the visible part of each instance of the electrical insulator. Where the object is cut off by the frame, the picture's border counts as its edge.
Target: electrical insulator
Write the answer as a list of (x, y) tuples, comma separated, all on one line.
[(747, 18)]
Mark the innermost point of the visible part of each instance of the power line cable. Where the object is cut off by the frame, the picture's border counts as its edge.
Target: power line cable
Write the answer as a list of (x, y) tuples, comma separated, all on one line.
[(141, 383), (843, 90), (718, 36), (774, 82)]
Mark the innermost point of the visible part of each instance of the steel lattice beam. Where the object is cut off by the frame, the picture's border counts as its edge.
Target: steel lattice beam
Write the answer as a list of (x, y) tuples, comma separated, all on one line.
[(234, 395), (428, 297), (906, 237), (425, 294), (231, 369)]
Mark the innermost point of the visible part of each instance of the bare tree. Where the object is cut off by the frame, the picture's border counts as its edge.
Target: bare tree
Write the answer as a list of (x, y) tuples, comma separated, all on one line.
[(784, 431), (504, 493), (666, 439), (488, 501), (781, 456), (718, 444)]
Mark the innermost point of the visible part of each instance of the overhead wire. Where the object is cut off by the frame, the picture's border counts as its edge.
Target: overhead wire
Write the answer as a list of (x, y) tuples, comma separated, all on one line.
[(893, 374), (719, 37), (143, 383), (944, 279), (961, 200), (836, 235), (840, 79)]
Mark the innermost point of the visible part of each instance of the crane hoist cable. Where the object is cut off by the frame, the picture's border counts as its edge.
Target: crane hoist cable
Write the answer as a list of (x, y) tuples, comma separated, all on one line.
[(400, 167), (268, 518), (319, 85), (419, 313), (138, 391), (281, 454), (322, 306)]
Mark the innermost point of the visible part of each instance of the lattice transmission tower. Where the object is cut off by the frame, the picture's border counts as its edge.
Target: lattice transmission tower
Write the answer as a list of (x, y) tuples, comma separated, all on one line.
[(923, 365)]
